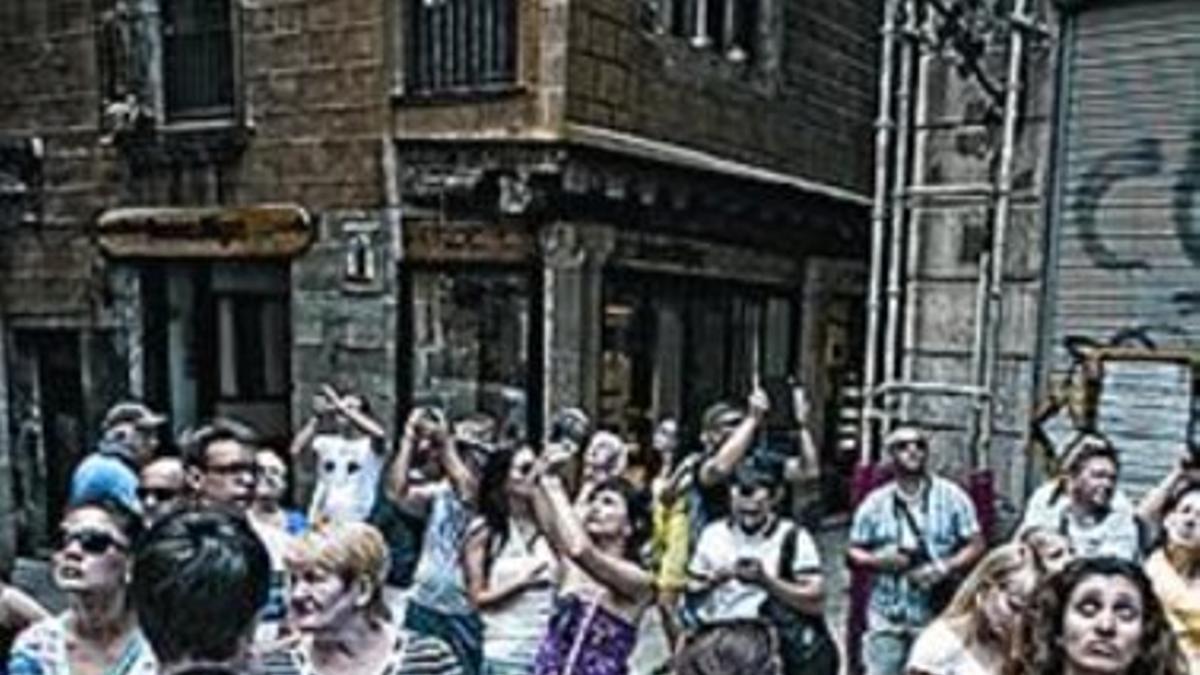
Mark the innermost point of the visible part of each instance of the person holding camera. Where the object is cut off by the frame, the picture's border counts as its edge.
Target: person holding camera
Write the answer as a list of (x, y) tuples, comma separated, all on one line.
[(758, 565), (916, 533), (439, 604), (350, 449)]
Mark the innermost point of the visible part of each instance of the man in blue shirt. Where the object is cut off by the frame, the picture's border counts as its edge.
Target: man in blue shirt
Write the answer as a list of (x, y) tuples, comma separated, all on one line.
[(913, 533)]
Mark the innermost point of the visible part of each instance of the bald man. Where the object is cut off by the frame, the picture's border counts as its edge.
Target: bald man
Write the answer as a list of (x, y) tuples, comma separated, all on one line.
[(161, 486)]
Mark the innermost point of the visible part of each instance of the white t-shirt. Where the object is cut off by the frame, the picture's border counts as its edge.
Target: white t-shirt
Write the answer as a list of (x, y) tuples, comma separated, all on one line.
[(1114, 535), (348, 471), (940, 651), (722, 544)]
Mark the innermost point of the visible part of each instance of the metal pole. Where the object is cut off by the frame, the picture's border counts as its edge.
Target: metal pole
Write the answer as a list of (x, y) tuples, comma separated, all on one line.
[(900, 176), (1000, 226), (884, 127)]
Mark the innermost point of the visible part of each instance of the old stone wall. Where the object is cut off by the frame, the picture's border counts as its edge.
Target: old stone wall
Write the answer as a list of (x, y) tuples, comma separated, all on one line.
[(803, 102), (955, 144)]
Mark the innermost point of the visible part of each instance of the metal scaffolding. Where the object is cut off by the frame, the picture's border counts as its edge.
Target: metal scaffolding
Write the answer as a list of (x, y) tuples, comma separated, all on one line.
[(948, 29)]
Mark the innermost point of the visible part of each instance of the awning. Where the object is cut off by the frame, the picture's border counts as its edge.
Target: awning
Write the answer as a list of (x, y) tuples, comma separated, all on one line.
[(261, 231)]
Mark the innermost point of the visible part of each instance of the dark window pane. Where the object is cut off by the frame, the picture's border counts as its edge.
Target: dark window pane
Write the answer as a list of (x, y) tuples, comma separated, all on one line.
[(198, 58), (460, 45)]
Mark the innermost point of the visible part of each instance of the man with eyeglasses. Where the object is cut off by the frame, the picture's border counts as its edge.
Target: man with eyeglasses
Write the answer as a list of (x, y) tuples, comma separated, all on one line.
[(161, 488), (916, 534), (756, 564), (220, 465)]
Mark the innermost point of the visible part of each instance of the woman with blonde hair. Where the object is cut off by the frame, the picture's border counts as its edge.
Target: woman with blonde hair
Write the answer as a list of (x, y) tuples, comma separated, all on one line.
[(337, 608), (975, 633)]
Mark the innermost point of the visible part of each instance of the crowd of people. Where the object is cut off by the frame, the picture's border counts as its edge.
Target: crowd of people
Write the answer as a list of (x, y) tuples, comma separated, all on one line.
[(466, 549)]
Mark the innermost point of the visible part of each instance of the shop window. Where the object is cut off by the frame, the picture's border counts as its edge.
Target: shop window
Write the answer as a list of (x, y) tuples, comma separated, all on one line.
[(471, 344), (675, 346), (252, 332), (198, 58), (459, 46)]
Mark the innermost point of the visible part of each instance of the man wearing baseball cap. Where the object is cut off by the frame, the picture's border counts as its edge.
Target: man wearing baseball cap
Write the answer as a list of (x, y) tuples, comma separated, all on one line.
[(128, 441)]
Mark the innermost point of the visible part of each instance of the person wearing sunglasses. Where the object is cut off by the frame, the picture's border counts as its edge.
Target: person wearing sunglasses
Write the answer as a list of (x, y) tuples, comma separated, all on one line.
[(161, 487), (976, 632), (220, 464), (756, 564), (98, 632)]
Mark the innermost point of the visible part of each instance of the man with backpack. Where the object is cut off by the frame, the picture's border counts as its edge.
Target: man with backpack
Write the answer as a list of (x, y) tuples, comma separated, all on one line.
[(756, 564)]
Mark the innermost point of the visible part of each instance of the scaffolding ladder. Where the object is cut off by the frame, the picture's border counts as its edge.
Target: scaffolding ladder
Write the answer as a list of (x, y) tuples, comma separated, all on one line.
[(911, 30)]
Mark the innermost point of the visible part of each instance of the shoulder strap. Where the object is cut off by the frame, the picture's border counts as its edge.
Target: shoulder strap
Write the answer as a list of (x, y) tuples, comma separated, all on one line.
[(787, 555), (912, 523)]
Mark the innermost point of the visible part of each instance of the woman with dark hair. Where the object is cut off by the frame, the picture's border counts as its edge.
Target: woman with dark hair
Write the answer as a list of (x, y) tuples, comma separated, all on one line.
[(510, 568), (604, 590), (1174, 569), (1098, 616), (98, 632)]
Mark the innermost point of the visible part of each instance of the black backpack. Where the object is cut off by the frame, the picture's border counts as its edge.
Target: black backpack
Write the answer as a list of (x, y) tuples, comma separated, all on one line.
[(805, 644)]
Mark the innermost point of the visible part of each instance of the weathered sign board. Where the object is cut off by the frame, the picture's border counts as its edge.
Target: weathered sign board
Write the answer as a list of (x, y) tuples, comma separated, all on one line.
[(1147, 407)]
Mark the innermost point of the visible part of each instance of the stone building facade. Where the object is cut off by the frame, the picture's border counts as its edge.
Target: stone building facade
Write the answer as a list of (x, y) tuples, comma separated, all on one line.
[(1102, 240), (218, 207)]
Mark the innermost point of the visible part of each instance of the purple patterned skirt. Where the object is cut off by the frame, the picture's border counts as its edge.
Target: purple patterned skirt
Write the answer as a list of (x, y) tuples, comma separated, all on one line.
[(583, 638)]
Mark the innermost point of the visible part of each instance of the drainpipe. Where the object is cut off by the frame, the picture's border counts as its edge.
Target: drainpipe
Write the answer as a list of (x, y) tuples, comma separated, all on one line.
[(1003, 213), (884, 130)]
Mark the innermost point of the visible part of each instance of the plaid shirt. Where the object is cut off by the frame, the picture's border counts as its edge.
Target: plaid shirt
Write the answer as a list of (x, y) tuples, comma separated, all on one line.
[(946, 518)]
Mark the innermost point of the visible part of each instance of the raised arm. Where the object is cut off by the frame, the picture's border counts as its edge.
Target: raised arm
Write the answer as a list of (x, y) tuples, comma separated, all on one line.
[(460, 473), (721, 465), (1150, 508), (303, 437), (567, 535), (398, 485), (355, 414)]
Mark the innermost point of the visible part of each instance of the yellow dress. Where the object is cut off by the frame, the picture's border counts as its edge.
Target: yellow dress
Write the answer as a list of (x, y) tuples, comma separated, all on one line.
[(1181, 603)]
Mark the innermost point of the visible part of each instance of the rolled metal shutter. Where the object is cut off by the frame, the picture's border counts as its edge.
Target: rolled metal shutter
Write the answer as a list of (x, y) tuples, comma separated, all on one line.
[(1128, 236)]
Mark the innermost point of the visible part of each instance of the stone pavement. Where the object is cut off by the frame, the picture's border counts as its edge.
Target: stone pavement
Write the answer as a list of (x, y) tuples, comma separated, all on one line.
[(34, 576)]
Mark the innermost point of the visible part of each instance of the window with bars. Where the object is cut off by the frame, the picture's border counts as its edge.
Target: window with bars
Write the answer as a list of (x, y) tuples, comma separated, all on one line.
[(460, 46), (198, 59), (727, 27)]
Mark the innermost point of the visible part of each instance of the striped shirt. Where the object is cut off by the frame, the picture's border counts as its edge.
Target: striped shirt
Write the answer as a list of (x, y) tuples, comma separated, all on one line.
[(411, 654)]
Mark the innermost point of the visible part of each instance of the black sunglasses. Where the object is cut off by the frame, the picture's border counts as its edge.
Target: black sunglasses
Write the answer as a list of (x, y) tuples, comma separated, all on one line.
[(159, 494), (95, 542)]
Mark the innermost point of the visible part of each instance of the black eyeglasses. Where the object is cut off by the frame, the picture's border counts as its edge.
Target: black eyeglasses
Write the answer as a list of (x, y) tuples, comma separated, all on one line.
[(233, 469), (94, 542), (157, 494)]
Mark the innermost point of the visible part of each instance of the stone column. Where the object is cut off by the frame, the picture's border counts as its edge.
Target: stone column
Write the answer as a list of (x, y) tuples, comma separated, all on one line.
[(574, 256)]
